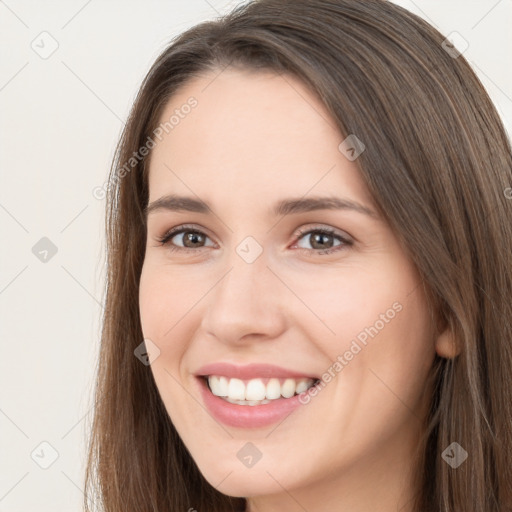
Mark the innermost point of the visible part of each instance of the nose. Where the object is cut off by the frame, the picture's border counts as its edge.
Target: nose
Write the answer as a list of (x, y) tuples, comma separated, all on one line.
[(249, 302)]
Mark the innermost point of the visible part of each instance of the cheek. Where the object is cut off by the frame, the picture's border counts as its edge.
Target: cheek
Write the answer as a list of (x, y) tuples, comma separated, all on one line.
[(384, 353), (152, 302), (382, 331), (348, 302), (397, 350), (165, 298), (161, 309)]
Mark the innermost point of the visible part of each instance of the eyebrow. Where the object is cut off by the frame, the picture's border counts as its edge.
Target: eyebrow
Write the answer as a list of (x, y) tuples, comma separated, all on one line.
[(290, 206)]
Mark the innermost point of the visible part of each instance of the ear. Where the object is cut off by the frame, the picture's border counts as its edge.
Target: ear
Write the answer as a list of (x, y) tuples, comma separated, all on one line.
[(446, 344)]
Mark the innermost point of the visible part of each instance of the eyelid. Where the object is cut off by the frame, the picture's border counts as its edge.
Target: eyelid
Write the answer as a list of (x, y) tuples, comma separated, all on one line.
[(323, 227)]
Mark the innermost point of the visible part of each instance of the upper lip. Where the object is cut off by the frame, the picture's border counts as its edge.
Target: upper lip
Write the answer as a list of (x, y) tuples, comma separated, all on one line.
[(250, 371)]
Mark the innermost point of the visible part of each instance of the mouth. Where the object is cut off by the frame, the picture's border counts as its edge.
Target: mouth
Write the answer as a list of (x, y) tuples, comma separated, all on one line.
[(256, 391)]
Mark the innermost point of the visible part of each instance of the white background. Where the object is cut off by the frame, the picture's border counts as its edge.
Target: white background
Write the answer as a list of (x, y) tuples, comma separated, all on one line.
[(60, 120)]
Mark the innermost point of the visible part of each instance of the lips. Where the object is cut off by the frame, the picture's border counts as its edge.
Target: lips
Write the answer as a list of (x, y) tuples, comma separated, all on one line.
[(247, 416), (250, 415), (251, 371)]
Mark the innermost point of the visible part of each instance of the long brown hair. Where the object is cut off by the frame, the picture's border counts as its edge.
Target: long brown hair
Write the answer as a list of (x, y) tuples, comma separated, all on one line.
[(438, 165)]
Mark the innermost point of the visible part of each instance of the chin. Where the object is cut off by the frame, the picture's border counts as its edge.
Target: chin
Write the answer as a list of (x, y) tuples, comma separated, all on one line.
[(246, 482)]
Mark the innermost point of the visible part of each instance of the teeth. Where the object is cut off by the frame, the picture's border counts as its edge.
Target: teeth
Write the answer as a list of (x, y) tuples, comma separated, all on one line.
[(301, 386), (273, 389), (288, 388), (220, 384), (255, 391), (236, 389)]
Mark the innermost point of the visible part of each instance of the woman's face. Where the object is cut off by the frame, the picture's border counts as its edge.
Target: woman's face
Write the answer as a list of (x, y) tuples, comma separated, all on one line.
[(251, 283)]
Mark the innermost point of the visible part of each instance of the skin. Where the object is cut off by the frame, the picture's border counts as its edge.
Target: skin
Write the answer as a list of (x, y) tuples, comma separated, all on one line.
[(253, 139)]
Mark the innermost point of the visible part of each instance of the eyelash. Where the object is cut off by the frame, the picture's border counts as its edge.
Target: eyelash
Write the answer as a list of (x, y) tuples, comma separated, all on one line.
[(166, 238)]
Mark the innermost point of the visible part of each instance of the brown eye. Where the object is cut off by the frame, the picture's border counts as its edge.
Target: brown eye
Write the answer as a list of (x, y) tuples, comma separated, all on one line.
[(184, 238), (192, 239), (322, 239)]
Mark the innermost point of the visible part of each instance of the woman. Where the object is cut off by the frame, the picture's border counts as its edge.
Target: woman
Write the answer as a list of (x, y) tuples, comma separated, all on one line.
[(310, 269)]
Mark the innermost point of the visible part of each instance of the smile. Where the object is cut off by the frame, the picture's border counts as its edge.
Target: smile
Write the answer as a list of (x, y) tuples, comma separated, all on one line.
[(257, 391)]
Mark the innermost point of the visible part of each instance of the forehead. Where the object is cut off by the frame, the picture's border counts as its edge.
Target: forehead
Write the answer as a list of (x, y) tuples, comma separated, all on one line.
[(258, 133)]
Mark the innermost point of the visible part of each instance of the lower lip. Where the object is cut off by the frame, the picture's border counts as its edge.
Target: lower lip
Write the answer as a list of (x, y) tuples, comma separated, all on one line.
[(247, 416)]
